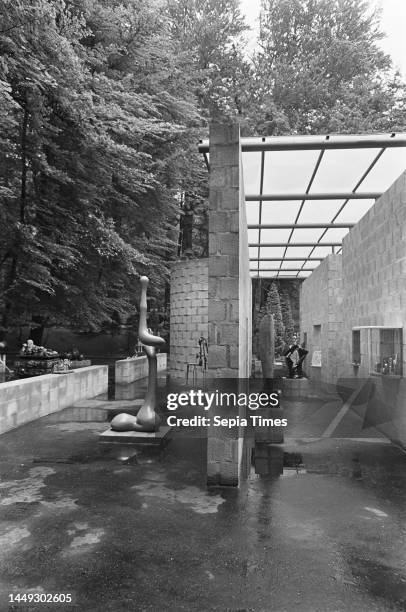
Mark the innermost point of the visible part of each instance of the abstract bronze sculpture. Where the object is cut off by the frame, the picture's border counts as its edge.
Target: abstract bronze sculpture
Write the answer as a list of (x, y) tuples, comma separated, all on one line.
[(146, 419)]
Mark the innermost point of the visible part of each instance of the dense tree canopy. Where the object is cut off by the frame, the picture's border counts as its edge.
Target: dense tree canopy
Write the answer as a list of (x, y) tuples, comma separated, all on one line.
[(211, 35), (102, 103), (93, 142), (320, 69)]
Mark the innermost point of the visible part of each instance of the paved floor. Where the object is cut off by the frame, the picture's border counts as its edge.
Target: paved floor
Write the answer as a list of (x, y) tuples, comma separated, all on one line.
[(121, 529)]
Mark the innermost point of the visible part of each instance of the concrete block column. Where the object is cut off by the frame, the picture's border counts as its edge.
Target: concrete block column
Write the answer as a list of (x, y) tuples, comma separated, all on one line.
[(229, 287), (229, 278)]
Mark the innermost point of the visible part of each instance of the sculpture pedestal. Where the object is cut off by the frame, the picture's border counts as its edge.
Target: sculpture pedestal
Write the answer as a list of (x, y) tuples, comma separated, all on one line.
[(295, 387), (155, 438)]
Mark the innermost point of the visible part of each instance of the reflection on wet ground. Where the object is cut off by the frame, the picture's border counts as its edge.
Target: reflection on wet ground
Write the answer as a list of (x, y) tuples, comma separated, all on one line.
[(318, 526), (271, 460)]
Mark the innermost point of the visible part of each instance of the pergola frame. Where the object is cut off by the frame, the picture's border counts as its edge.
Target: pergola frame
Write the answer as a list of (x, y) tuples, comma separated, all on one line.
[(285, 197), (299, 143), (303, 143)]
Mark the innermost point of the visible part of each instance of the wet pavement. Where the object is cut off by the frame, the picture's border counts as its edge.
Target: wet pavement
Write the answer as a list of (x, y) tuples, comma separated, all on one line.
[(319, 525)]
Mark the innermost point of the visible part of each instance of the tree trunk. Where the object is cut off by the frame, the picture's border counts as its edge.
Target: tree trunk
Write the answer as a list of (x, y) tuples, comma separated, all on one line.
[(23, 192), (37, 332)]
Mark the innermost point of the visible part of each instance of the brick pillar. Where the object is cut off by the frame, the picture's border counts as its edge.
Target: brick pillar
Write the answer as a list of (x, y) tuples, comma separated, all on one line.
[(229, 296), (224, 250)]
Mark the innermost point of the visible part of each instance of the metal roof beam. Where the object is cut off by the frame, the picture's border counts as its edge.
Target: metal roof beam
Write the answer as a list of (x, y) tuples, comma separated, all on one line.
[(283, 197), (279, 277), (294, 244), (283, 270), (287, 258), (301, 226), (302, 143)]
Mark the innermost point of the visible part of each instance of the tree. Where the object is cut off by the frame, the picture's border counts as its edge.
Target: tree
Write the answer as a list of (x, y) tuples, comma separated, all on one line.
[(273, 306), (27, 40), (319, 69), (94, 134), (286, 309), (211, 33), (209, 37)]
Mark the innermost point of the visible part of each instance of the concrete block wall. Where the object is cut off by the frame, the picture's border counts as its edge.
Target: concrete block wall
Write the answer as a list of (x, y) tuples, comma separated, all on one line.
[(374, 275), (22, 401), (229, 295), (188, 313), (129, 370), (229, 279), (224, 224), (372, 289), (374, 265), (321, 304)]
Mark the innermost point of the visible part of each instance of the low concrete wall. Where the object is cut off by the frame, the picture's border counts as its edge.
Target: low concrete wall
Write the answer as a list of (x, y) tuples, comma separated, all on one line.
[(25, 400), (128, 370)]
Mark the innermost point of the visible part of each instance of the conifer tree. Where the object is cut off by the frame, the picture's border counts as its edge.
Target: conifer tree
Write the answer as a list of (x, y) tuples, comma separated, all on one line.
[(273, 306), (286, 313)]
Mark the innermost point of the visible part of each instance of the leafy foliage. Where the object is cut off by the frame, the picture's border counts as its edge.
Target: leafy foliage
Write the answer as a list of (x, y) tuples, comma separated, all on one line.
[(103, 102), (211, 33), (94, 136), (273, 306), (209, 37), (320, 69), (286, 309)]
